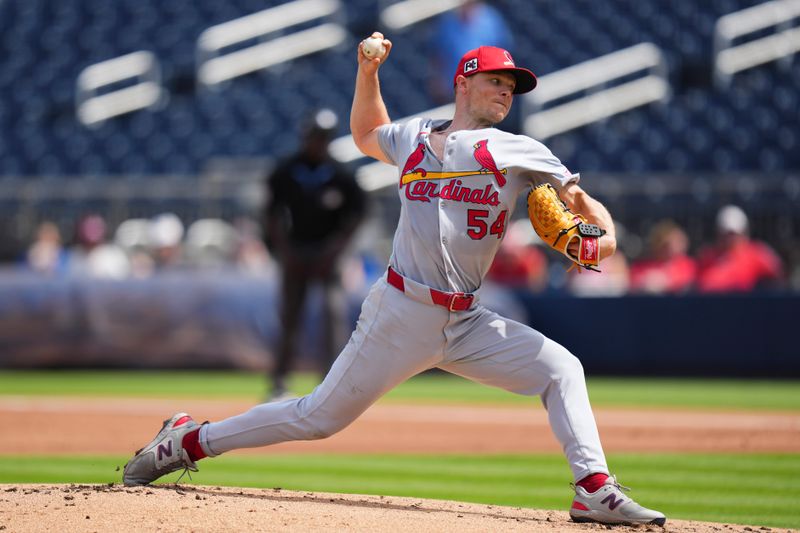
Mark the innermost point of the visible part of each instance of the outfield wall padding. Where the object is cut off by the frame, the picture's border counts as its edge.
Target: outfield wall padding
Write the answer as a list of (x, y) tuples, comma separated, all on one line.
[(754, 335), (232, 321)]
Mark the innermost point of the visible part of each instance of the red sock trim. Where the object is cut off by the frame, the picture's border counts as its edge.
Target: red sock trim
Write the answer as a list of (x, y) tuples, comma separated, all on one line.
[(592, 482), (191, 443)]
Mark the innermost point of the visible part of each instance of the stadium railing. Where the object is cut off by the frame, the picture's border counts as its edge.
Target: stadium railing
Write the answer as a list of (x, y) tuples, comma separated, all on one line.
[(596, 99), (94, 106), (730, 58), (215, 65), (401, 15)]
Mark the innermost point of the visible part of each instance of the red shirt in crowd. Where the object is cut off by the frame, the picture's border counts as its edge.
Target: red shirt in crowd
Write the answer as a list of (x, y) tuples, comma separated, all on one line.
[(519, 266), (663, 276), (739, 267)]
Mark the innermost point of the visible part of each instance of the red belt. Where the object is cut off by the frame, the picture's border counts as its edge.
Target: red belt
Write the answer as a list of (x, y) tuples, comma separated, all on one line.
[(454, 301)]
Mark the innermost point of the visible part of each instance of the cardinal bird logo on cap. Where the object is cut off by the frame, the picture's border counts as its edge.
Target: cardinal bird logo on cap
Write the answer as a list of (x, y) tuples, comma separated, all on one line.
[(484, 157)]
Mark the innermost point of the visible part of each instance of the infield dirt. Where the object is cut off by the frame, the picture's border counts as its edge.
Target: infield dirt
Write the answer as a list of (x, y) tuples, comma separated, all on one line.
[(48, 425)]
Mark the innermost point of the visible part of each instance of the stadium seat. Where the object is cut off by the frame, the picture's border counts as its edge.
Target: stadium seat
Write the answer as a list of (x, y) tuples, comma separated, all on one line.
[(48, 43)]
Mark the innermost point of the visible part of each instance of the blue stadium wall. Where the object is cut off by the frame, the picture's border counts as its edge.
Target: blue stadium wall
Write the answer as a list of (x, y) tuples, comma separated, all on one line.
[(232, 322), (728, 335)]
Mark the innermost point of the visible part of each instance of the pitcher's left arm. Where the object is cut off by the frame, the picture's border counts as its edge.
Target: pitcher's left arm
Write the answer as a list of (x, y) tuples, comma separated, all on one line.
[(579, 201)]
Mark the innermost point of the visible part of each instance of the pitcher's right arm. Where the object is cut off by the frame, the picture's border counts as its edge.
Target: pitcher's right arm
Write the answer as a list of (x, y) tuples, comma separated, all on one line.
[(369, 112)]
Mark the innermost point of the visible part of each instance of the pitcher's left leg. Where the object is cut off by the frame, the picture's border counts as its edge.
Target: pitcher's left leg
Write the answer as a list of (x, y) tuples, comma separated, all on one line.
[(490, 349)]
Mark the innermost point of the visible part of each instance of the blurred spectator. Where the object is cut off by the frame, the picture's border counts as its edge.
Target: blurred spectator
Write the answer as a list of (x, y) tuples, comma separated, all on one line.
[(132, 236), (92, 255), (519, 263), (314, 206), (737, 263), (667, 269), (90, 232), (109, 261), (457, 31), (46, 254), (210, 244), (165, 237), (612, 280)]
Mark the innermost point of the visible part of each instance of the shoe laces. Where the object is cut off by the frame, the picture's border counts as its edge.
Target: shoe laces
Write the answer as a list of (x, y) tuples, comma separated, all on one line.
[(619, 485), (186, 472)]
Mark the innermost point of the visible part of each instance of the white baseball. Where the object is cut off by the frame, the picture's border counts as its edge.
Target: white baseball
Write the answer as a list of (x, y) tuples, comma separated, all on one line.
[(373, 47)]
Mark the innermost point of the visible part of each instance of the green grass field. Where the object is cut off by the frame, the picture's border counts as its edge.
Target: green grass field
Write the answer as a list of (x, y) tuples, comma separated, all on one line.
[(758, 489), (638, 392)]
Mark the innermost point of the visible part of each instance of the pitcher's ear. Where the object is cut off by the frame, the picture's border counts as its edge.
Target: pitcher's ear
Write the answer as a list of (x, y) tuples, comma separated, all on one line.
[(461, 82)]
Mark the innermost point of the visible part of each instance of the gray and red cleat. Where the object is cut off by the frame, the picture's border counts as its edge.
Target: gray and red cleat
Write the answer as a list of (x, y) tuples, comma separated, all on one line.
[(608, 505), (164, 454)]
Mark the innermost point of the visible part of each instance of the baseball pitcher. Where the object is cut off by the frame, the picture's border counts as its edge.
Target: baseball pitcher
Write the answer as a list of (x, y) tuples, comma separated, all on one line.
[(458, 182)]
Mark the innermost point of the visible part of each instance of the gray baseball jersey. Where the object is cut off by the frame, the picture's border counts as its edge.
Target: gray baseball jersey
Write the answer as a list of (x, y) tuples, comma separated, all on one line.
[(454, 215), (455, 211)]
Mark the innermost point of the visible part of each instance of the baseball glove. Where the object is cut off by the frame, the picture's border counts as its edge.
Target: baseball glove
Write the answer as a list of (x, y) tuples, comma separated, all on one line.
[(556, 225)]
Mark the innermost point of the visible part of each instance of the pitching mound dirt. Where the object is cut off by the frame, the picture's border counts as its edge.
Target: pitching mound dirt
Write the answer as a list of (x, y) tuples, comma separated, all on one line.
[(93, 508)]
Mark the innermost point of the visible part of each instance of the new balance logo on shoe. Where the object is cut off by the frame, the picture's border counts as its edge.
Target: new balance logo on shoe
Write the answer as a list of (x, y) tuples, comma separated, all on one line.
[(164, 449), (162, 455), (614, 502)]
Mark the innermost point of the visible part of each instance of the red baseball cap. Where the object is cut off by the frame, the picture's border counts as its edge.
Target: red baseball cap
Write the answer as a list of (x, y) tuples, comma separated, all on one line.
[(491, 58)]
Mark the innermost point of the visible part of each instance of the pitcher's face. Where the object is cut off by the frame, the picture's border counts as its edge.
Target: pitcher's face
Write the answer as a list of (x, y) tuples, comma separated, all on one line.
[(490, 95)]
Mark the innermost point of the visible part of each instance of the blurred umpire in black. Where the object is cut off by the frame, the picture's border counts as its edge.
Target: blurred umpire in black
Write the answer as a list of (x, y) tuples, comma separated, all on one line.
[(314, 205)]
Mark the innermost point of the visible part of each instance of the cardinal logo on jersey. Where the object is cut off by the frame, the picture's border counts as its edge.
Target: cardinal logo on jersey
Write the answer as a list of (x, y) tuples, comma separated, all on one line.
[(420, 184), (484, 157), (413, 160)]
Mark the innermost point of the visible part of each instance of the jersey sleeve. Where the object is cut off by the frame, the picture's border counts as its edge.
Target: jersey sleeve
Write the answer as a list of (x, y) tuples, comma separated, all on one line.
[(394, 139), (544, 167)]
